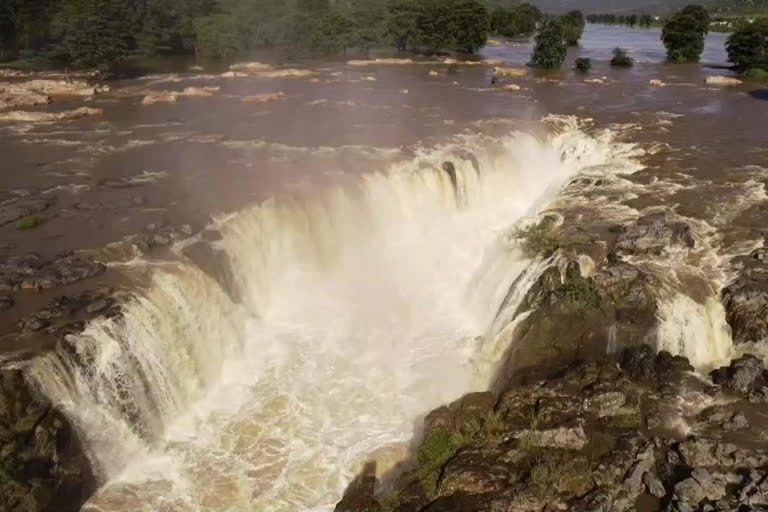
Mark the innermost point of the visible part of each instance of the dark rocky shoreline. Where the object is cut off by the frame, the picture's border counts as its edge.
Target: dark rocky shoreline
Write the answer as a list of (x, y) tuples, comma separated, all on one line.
[(645, 434)]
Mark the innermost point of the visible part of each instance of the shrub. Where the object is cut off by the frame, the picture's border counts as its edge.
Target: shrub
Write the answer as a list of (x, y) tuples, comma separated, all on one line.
[(541, 239), (581, 294), (434, 451), (573, 25), (683, 34), (550, 49), (621, 59), (584, 65), (748, 46), (29, 222)]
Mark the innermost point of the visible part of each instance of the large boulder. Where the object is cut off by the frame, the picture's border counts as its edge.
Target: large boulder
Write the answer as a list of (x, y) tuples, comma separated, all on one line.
[(745, 375)]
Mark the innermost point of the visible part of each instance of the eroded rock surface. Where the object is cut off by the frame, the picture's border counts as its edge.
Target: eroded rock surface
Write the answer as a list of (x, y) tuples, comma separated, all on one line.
[(583, 441), (43, 467)]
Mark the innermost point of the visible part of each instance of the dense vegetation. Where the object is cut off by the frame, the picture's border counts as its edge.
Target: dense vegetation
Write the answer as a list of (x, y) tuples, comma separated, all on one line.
[(621, 59), (516, 21), (683, 34), (643, 20), (551, 48), (573, 27), (103, 33), (748, 48)]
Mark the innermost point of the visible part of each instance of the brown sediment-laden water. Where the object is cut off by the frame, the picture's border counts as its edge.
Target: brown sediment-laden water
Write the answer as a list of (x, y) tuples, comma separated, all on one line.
[(278, 270)]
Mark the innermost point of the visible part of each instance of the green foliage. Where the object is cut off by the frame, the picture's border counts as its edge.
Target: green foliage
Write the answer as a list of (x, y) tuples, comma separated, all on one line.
[(401, 22), (29, 222), (748, 47), (644, 20), (434, 451), (573, 25), (683, 34), (517, 21), (621, 58), (583, 64), (580, 294), (550, 49), (95, 33), (472, 23), (541, 239), (450, 25), (559, 471)]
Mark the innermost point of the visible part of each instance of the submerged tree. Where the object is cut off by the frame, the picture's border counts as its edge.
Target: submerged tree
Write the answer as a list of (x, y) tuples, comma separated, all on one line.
[(748, 47), (573, 27), (550, 49), (683, 34), (621, 59), (583, 64)]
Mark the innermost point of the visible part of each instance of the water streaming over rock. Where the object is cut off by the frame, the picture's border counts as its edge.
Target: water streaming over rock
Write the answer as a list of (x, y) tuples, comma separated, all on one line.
[(362, 308)]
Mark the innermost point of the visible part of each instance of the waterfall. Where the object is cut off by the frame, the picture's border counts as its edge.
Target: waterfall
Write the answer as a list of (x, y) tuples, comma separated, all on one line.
[(362, 307)]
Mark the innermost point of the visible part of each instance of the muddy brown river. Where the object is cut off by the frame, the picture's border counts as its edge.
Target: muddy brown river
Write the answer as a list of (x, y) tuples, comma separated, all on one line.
[(367, 281)]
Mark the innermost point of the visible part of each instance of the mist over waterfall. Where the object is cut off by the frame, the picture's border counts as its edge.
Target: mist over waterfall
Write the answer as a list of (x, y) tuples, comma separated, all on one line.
[(360, 309)]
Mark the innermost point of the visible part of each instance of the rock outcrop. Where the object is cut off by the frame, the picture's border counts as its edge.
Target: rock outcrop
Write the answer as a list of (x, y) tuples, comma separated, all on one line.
[(43, 467), (30, 271), (589, 440), (746, 299)]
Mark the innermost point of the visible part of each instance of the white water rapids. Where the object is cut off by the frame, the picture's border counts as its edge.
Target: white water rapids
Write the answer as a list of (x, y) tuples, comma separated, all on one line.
[(362, 309)]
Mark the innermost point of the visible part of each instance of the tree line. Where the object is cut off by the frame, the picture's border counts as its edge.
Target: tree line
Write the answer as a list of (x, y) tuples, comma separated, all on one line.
[(103, 33), (683, 36), (642, 20)]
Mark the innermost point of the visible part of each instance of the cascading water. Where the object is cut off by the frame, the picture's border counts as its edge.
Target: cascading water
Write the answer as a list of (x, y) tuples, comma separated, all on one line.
[(361, 309)]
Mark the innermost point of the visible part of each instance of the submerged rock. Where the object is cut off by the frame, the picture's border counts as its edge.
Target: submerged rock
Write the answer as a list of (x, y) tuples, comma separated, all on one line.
[(39, 117), (654, 234), (726, 81)]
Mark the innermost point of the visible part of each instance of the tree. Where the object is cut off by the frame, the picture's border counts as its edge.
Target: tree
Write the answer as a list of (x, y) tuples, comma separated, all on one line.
[(435, 26), (335, 32), (95, 33), (621, 59), (472, 23), (683, 34), (527, 17), (583, 64), (550, 49), (748, 46), (216, 36), (573, 27), (401, 22)]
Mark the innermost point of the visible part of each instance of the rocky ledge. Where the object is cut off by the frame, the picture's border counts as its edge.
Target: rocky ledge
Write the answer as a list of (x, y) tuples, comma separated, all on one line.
[(42, 463), (645, 434)]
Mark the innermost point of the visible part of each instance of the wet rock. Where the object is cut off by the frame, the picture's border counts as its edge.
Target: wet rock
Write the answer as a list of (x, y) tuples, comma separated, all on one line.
[(359, 495), (745, 375), (701, 452), (15, 209), (725, 81), (470, 472), (563, 437), (44, 465), (6, 303), (62, 310), (662, 369), (653, 234), (654, 485), (690, 492), (746, 306)]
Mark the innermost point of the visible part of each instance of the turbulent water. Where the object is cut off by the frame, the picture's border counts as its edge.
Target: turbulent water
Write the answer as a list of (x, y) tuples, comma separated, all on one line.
[(361, 310), (370, 282)]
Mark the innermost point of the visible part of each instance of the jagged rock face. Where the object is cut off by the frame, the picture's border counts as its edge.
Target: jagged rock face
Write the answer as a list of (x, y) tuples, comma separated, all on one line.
[(582, 442), (746, 376), (576, 319), (33, 272), (42, 464), (746, 306)]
